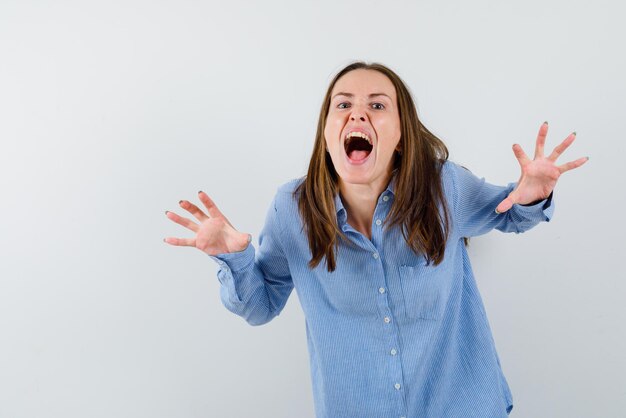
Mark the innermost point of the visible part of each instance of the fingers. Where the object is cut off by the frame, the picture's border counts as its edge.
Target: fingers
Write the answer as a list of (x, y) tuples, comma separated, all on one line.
[(194, 210), (211, 207), (573, 164), (188, 242), (187, 223), (520, 155), (541, 140), (558, 150)]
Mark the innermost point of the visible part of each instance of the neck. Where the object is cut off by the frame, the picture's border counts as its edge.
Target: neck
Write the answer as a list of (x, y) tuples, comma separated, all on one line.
[(360, 200)]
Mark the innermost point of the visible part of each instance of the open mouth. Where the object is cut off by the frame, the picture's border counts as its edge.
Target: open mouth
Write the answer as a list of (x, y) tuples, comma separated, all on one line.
[(357, 147)]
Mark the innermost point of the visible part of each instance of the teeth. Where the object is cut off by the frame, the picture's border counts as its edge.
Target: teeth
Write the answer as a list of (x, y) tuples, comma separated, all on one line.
[(360, 135)]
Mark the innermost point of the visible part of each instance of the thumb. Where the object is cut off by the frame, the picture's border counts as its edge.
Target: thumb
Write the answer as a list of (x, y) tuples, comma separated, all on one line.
[(506, 204)]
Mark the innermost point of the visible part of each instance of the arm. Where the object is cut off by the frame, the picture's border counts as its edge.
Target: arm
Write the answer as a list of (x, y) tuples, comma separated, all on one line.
[(475, 202), (518, 206), (256, 284)]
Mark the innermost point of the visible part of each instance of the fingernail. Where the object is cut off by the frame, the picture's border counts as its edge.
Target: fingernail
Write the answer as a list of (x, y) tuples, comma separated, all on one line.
[(587, 158), (180, 201), (166, 212), (545, 123), (200, 191), (574, 133), (164, 240), (497, 211)]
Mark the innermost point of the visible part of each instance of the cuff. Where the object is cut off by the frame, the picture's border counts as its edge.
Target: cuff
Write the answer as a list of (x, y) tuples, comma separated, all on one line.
[(236, 261), (544, 207)]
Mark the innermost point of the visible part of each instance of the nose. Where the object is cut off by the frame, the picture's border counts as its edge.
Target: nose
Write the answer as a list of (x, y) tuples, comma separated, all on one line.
[(357, 113)]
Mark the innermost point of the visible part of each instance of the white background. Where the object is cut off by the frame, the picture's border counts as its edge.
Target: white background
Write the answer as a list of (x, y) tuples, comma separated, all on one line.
[(111, 112)]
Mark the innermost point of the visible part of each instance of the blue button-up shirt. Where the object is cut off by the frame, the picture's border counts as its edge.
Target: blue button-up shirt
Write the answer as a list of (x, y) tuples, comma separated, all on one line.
[(388, 335)]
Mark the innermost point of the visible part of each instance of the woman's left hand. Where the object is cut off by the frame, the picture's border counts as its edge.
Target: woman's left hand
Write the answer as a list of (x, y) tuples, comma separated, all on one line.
[(539, 175)]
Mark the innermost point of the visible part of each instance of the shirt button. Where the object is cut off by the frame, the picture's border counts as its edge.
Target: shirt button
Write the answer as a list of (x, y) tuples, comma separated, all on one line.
[(387, 319), (393, 352), (378, 222), (385, 198), (397, 386), (381, 290), (375, 255)]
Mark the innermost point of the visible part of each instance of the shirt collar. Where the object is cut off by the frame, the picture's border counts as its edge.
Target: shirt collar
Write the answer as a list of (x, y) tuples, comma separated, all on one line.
[(390, 190)]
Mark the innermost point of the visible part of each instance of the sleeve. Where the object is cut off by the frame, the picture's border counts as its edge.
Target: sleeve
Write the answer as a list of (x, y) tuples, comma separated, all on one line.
[(475, 202), (256, 284)]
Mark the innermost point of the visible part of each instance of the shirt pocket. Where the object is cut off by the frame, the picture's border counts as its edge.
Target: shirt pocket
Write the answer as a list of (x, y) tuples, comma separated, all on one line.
[(423, 289)]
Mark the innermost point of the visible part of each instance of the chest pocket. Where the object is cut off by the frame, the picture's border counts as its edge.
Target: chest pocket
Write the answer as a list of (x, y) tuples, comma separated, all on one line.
[(424, 290)]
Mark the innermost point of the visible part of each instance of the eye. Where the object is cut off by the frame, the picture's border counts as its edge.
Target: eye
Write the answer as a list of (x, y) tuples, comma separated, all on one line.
[(382, 106), (339, 105)]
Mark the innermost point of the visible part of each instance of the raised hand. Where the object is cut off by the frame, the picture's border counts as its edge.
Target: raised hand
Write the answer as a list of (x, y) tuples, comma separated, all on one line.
[(214, 235), (539, 176)]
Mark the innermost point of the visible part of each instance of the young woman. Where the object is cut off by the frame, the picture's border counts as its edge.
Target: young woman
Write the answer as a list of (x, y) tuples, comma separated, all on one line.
[(373, 240)]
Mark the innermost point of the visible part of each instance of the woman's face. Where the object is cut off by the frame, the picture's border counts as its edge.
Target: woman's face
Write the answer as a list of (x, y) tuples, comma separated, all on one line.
[(362, 101)]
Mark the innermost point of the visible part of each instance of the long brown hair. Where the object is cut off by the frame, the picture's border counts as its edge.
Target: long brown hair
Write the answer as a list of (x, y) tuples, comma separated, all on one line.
[(418, 190)]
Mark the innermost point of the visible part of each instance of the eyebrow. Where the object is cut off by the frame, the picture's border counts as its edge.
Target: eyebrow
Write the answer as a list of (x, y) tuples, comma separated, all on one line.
[(341, 93)]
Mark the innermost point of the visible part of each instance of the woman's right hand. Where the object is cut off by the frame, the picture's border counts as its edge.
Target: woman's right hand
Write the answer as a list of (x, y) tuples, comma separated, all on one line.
[(214, 235)]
